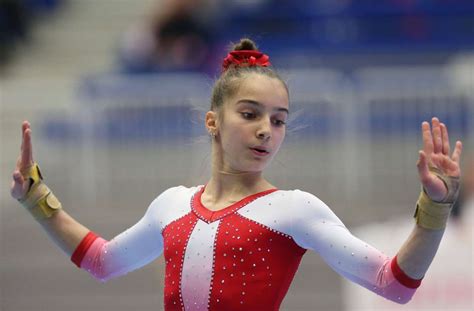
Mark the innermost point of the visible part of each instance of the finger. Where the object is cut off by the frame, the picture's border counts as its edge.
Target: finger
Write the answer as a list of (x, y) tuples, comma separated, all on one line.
[(22, 185), (18, 162), (457, 152), (427, 138), (17, 185), (22, 139), (15, 190), (444, 134), (25, 125), (422, 166), (437, 139), (26, 152), (18, 178)]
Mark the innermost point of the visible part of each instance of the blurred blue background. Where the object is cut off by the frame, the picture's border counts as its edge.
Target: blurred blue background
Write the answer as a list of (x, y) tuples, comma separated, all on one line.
[(116, 91)]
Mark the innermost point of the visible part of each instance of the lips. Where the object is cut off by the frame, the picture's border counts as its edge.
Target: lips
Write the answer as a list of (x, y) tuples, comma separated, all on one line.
[(260, 151)]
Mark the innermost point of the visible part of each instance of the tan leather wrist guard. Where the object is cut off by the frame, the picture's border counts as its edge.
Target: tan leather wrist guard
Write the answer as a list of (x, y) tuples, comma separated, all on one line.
[(39, 200), (434, 215)]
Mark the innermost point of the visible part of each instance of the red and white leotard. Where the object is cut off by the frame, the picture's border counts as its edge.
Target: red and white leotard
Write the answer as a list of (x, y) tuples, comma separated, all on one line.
[(226, 259)]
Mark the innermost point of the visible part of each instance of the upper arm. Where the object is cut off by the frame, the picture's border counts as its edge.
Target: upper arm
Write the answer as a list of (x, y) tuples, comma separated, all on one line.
[(317, 228), (131, 249), (136, 246)]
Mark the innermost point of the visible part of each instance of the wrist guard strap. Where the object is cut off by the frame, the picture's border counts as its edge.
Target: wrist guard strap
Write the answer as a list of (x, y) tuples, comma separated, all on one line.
[(39, 200), (431, 214)]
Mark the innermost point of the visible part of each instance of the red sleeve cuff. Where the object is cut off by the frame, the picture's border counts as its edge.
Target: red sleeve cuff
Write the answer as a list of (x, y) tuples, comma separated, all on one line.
[(82, 248), (402, 277)]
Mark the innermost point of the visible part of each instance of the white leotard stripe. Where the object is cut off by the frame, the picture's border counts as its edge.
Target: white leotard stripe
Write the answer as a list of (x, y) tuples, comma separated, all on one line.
[(197, 267)]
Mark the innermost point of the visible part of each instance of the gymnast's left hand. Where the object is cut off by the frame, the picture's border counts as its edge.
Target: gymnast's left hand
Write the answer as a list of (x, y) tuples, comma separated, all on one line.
[(436, 153)]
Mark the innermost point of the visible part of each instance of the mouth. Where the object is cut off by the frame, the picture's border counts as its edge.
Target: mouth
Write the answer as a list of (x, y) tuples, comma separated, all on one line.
[(260, 151)]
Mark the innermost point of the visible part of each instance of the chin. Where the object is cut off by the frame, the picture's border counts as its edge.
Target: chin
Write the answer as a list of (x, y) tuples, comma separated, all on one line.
[(252, 165)]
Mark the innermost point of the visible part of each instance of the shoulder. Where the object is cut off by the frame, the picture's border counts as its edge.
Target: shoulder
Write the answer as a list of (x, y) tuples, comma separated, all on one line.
[(294, 200), (177, 191), (286, 206), (308, 206), (302, 199), (178, 195), (301, 195), (171, 204)]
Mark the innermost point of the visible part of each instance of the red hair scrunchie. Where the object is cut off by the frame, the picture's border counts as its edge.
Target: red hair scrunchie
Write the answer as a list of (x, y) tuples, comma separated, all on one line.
[(244, 58)]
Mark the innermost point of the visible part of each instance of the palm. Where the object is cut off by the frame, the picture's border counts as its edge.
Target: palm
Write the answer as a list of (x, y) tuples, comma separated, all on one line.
[(436, 154)]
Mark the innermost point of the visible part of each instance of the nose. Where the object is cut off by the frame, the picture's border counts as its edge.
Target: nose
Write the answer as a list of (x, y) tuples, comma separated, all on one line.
[(264, 129)]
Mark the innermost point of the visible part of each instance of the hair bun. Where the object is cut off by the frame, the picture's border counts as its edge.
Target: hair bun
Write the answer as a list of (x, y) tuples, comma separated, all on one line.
[(245, 44)]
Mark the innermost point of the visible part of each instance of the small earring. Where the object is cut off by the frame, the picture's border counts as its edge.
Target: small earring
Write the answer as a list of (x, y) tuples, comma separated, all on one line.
[(213, 134)]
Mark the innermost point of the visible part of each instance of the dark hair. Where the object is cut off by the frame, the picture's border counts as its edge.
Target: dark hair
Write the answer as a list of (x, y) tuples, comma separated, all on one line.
[(229, 81)]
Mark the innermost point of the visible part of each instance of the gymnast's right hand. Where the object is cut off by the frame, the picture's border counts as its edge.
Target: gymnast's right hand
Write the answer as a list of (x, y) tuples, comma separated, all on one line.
[(20, 186), (28, 186)]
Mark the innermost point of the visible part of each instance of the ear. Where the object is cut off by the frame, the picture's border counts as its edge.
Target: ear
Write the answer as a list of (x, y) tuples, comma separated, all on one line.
[(211, 121)]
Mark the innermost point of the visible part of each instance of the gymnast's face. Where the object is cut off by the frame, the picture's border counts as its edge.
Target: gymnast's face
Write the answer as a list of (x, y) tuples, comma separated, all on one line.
[(251, 124)]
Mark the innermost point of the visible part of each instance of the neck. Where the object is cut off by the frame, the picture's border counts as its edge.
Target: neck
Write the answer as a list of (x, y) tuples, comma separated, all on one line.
[(228, 183)]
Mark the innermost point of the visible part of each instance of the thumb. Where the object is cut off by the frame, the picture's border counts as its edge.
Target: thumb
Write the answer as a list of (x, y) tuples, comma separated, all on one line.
[(18, 178), (21, 185), (423, 170), (17, 185)]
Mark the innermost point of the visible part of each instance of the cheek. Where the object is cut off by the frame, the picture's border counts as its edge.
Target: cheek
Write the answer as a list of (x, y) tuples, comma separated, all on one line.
[(232, 139), (280, 135)]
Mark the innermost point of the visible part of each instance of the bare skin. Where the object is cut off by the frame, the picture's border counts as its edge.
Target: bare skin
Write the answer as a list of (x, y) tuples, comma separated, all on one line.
[(235, 176)]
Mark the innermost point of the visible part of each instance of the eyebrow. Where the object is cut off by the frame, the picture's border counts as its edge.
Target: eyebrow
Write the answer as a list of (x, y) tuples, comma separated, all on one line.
[(258, 104)]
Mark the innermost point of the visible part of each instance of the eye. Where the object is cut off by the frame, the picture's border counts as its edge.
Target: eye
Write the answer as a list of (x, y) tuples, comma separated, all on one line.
[(248, 115), (279, 122), (279, 119)]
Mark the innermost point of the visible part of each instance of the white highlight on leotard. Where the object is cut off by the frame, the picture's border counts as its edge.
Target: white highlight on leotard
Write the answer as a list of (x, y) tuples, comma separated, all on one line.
[(197, 267)]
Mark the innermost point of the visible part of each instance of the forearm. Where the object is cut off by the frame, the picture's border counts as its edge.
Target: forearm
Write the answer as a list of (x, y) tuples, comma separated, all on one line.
[(417, 253), (439, 174), (38, 199), (64, 231)]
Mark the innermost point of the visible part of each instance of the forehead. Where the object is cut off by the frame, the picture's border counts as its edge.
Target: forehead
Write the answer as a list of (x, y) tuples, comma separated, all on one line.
[(263, 89)]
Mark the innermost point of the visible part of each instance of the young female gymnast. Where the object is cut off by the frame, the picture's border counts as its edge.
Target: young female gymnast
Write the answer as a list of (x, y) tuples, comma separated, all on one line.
[(236, 237)]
